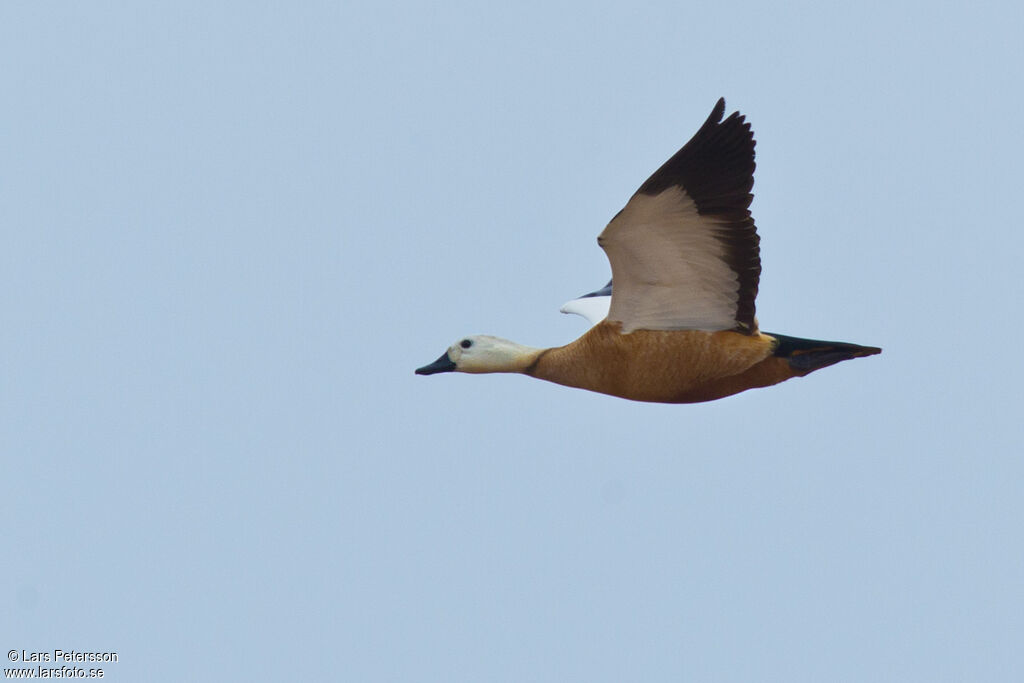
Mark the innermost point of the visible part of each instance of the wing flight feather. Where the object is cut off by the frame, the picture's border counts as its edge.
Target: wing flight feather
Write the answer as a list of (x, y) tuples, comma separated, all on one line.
[(684, 251)]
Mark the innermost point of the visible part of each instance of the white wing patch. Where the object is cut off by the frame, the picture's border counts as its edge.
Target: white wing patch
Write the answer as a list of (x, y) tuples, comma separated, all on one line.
[(593, 308), (668, 266)]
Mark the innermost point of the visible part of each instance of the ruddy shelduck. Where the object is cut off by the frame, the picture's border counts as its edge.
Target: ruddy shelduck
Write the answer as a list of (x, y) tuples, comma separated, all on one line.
[(680, 325)]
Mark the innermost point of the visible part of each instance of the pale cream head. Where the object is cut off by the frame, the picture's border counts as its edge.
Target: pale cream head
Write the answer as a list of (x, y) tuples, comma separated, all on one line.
[(481, 353)]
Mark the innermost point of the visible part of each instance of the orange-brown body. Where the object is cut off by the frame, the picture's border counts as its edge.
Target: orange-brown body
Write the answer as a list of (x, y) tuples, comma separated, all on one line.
[(683, 366)]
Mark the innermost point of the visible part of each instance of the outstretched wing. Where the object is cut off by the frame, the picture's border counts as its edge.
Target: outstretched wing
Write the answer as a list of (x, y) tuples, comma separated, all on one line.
[(684, 250)]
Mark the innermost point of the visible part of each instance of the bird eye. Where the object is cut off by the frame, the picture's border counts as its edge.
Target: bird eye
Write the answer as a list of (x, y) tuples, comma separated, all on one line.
[(465, 343)]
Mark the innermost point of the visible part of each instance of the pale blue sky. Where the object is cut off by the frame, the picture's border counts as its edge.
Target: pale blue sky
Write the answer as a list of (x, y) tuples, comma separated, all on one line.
[(232, 231)]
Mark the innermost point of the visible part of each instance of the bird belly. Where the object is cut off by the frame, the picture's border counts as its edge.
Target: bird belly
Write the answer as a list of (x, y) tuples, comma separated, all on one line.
[(688, 366), (677, 366)]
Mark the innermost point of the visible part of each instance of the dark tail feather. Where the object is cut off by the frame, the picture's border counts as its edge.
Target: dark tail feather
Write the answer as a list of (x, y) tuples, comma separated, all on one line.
[(807, 355)]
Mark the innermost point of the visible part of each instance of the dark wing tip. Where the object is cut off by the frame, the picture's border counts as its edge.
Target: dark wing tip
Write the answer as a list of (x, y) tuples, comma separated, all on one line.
[(604, 291), (717, 112), (715, 167)]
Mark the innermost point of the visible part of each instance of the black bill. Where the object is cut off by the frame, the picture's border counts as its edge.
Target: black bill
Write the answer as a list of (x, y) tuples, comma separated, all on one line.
[(442, 364)]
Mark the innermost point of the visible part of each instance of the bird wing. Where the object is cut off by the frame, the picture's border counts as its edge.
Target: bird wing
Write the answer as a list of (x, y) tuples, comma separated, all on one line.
[(593, 306), (684, 250)]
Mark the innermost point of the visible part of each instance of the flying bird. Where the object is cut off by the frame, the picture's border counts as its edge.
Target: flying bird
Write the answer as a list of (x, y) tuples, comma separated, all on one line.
[(677, 325)]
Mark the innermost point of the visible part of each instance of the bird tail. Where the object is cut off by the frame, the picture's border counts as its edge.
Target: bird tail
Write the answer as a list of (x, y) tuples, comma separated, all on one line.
[(807, 355)]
